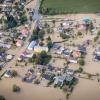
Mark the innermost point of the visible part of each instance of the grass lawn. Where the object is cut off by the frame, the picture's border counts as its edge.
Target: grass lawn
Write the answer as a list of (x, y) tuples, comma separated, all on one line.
[(69, 6)]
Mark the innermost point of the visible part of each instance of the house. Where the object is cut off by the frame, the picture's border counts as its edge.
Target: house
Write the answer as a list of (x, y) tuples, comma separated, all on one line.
[(24, 32), (39, 49), (2, 65), (8, 46), (19, 43), (76, 54), (81, 27), (67, 52), (97, 51), (97, 57), (9, 1), (66, 25), (55, 46), (82, 49), (2, 54), (29, 55), (70, 72), (29, 76), (6, 9), (9, 57), (60, 30), (8, 74), (69, 79), (73, 60), (97, 54), (60, 50), (31, 45), (59, 80), (26, 55)]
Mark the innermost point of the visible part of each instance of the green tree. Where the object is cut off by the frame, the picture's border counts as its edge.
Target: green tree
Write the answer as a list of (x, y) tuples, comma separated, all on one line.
[(15, 88), (50, 44), (79, 33), (98, 33), (23, 18), (2, 97)]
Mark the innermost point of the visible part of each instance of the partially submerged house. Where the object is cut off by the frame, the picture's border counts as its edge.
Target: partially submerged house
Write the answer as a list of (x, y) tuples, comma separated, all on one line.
[(59, 80), (29, 76), (82, 49), (97, 54)]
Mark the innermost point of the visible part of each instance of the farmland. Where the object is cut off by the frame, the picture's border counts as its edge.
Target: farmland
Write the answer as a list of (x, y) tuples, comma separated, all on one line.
[(52, 7)]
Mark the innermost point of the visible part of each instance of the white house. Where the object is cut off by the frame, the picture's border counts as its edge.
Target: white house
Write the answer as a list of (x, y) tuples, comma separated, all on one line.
[(39, 49)]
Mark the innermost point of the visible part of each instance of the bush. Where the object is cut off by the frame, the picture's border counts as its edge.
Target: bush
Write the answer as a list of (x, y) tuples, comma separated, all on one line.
[(16, 88), (17, 35), (2, 97), (36, 81), (14, 73), (50, 82), (64, 36), (81, 62)]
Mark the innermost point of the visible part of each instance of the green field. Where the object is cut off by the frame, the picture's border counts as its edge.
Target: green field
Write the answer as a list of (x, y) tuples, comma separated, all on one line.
[(69, 6)]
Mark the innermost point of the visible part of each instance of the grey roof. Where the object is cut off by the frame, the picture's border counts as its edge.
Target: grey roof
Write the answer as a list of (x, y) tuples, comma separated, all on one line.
[(69, 78)]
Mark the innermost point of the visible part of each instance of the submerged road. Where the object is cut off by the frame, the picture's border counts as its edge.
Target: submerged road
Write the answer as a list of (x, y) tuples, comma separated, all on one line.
[(36, 18), (36, 15)]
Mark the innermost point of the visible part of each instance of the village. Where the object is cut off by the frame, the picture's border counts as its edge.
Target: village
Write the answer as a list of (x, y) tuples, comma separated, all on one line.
[(47, 51)]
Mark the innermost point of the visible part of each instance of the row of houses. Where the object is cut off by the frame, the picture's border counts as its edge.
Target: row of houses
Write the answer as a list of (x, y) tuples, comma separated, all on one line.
[(72, 55), (6, 5)]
